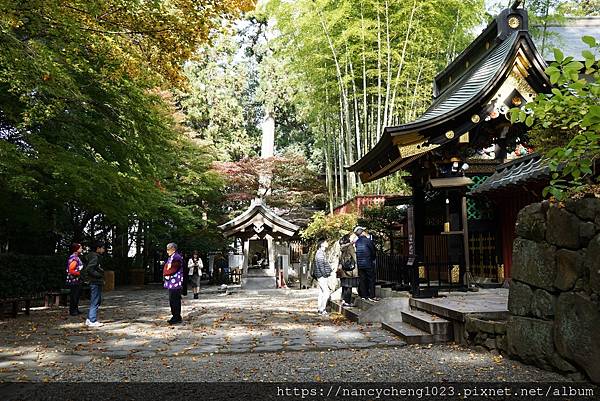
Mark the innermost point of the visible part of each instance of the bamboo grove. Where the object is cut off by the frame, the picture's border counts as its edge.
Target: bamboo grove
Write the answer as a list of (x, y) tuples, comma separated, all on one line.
[(364, 65)]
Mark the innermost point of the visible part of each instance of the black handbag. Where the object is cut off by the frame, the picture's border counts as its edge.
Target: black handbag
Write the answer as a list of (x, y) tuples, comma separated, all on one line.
[(348, 264)]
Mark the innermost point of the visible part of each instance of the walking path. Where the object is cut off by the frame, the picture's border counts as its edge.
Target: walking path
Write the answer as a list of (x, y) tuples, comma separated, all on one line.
[(272, 336)]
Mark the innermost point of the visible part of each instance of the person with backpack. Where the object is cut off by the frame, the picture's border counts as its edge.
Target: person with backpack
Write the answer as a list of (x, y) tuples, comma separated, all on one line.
[(321, 273), (348, 268), (73, 282)]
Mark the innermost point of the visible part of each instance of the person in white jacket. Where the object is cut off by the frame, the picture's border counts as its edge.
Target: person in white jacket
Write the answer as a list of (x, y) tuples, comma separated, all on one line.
[(195, 272)]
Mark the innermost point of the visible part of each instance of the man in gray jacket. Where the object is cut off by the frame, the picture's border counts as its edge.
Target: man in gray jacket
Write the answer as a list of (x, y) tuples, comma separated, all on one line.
[(94, 276), (321, 273)]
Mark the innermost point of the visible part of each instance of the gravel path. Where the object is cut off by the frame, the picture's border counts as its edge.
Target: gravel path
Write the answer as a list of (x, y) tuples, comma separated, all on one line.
[(245, 336)]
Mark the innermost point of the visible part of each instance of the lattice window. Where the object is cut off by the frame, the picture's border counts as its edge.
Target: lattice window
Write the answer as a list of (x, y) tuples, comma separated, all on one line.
[(483, 256), (479, 209)]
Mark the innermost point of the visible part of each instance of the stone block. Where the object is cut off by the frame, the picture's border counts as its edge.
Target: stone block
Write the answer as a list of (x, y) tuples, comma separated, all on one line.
[(480, 338), (569, 267), (587, 230), (474, 324), (531, 223), (490, 343), (585, 208), (519, 298), (565, 228), (576, 333), (501, 343), (534, 263), (531, 340), (500, 327), (592, 262), (543, 304), (559, 363)]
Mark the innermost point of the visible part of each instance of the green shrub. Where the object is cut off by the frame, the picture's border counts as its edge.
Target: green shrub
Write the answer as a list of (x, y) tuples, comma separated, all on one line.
[(22, 275), (565, 124), (329, 226)]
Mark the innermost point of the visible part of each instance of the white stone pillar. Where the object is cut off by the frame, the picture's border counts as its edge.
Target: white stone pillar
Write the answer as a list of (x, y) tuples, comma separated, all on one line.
[(246, 256), (271, 250), (268, 137)]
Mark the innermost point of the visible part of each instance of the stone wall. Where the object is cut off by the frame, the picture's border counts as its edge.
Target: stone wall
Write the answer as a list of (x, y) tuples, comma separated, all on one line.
[(489, 334), (554, 298)]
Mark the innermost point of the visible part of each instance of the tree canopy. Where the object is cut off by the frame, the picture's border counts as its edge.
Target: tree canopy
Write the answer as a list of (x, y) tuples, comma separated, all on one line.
[(85, 130)]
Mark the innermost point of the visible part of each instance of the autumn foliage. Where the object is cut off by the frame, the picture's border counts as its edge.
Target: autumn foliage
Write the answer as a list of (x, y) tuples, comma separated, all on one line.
[(292, 185)]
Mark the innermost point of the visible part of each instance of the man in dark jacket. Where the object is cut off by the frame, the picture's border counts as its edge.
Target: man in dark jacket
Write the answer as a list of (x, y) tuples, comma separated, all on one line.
[(94, 276), (365, 259)]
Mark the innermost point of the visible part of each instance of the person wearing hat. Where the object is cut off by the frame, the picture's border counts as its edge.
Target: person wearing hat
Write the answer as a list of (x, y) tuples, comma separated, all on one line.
[(365, 260), (74, 267)]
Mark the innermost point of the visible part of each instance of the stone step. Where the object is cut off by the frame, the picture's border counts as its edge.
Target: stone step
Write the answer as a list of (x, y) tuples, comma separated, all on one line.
[(259, 283), (363, 304), (411, 334), (336, 306), (427, 322), (351, 313)]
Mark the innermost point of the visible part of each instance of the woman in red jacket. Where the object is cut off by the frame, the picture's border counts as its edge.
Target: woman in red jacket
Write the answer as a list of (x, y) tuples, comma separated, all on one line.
[(74, 267)]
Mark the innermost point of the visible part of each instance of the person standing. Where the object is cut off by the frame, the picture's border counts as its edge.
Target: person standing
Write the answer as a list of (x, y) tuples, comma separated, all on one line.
[(173, 281), (321, 273), (195, 272), (73, 282), (94, 276), (348, 268), (365, 259)]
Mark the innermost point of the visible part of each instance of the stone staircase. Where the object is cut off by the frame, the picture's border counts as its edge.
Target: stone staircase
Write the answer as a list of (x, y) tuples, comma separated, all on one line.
[(418, 327), (396, 314)]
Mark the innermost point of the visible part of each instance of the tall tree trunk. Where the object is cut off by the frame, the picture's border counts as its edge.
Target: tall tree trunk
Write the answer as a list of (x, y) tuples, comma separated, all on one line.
[(344, 111), (342, 149), (402, 57), (334, 161), (378, 76), (388, 66), (364, 74), (413, 103), (328, 167), (356, 114), (120, 244)]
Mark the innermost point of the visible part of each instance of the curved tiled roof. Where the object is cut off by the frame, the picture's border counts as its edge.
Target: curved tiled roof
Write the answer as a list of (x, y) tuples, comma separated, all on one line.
[(472, 83), (515, 172), (248, 219)]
